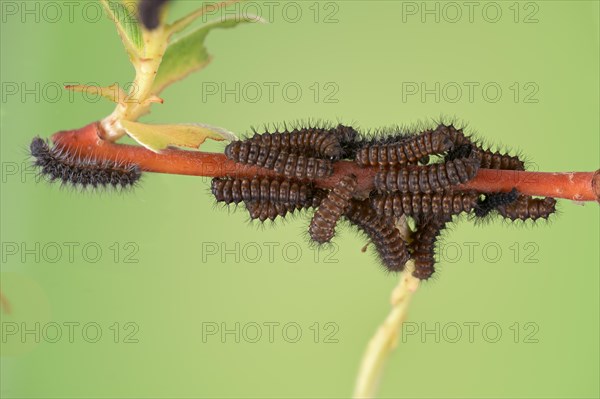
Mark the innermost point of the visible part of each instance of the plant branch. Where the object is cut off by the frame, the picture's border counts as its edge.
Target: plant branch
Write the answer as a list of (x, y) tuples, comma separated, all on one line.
[(385, 339), (87, 141)]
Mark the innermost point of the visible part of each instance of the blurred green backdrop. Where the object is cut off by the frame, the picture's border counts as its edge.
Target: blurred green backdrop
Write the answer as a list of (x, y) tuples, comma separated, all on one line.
[(192, 301)]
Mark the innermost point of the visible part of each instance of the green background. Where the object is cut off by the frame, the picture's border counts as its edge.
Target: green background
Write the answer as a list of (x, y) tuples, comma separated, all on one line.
[(368, 51)]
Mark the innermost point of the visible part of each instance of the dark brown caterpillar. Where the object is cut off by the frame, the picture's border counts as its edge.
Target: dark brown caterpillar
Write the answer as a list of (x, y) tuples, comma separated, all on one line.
[(423, 246), (322, 225), (309, 142), (388, 242), (406, 150), (427, 178), (57, 164), (424, 206), (525, 207), (271, 157), (492, 201), (489, 159), (265, 189)]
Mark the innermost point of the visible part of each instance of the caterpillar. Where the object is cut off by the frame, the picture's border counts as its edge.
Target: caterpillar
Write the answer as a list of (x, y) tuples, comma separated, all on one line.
[(525, 207), (427, 178), (265, 189), (403, 150), (58, 164), (388, 242), (288, 164), (489, 159), (309, 142), (423, 246), (337, 201), (492, 201), (424, 205)]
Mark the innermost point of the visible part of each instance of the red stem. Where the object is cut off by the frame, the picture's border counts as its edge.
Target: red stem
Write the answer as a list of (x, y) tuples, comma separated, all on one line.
[(578, 186)]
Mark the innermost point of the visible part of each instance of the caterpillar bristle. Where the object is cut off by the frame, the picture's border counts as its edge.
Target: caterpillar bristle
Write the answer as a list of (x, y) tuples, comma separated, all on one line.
[(57, 164)]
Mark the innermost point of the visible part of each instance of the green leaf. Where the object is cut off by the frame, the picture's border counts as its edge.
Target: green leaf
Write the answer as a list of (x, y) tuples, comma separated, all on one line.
[(123, 15), (188, 53), (159, 137)]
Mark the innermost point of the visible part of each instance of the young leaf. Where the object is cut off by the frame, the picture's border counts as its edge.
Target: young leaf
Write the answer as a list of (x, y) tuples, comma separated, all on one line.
[(188, 53), (123, 15), (186, 21), (159, 137), (113, 92)]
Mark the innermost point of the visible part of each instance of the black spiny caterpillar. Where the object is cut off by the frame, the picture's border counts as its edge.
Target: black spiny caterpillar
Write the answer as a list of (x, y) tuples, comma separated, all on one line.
[(70, 169)]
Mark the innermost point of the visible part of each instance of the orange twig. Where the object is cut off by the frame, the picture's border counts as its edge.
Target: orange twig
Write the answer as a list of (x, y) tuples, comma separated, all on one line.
[(86, 141)]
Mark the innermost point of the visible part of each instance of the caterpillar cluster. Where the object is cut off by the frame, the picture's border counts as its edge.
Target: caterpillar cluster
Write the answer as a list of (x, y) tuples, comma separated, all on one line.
[(407, 184), (417, 177), (57, 164)]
